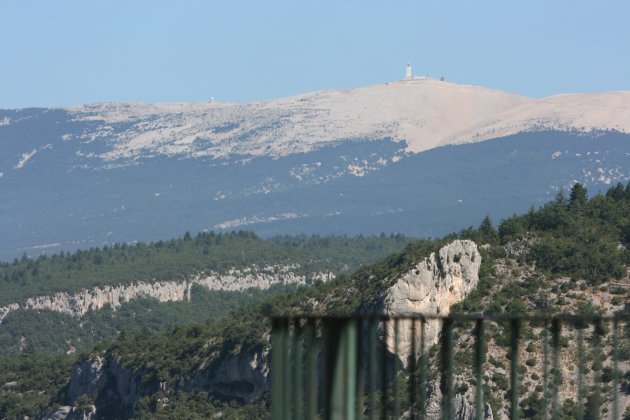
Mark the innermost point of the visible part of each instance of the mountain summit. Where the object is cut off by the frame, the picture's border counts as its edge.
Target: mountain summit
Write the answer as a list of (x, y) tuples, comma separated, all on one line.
[(404, 156), (424, 113)]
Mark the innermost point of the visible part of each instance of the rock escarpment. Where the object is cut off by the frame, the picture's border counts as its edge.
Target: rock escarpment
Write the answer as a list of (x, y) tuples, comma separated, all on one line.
[(115, 388), (431, 288), (462, 408), (79, 303), (111, 386), (87, 377), (242, 377)]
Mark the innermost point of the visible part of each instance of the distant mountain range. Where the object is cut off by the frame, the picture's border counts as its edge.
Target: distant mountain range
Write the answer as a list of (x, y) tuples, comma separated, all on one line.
[(423, 157)]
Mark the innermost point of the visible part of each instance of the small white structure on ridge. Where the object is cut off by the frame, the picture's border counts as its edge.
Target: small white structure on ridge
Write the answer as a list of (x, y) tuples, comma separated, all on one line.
[(410, 77)]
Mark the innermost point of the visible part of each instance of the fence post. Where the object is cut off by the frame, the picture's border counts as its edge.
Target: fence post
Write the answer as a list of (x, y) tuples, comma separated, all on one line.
[(279, 355), (395, 370), (311, 369), (372, 366), (615, 350), (423, 369), (514, 391), (446, 382), (480, 359), (556, 377), (341, 369), (412, 372)]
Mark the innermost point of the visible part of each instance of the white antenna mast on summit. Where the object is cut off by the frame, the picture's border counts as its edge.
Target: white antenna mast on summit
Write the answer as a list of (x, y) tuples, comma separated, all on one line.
[(408, 72)]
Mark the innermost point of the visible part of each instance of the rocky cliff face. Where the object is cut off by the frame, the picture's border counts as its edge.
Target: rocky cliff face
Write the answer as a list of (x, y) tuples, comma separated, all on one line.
[(79, 303), (431, 288), (114, 387), (462, 408), (107, 383), (242, 377), (87, 377), (66, 412)]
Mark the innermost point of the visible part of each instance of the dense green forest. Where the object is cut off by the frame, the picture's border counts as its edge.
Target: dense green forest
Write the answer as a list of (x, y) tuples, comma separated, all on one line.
[(172, 260), (576, 236), (53, 332), (178, 259), (563, 251)]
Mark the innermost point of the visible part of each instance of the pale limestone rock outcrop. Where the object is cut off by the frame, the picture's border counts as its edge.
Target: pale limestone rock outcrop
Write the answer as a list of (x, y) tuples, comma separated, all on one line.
[(86, 378), (6, 310), (79, 303), (66, 412), (431, 288), (244, 376), (462, 409), (95, 375)]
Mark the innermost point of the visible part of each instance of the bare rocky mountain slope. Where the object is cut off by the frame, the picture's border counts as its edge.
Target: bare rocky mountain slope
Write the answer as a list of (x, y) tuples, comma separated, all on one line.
[(423, 113), (89, 175)]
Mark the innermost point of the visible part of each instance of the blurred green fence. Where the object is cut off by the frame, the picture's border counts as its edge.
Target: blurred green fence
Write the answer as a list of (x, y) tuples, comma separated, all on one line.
[(378, 366)]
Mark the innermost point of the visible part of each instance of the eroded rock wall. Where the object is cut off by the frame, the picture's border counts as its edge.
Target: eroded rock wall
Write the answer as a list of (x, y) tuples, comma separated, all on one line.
[(431, 288), (79, 303)]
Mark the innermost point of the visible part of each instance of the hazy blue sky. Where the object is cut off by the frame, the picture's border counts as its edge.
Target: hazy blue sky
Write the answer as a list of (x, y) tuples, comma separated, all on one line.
[(72, 52)]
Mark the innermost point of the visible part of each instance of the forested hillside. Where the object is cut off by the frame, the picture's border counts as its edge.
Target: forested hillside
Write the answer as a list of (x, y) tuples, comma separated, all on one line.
[(186, 256), (228, 257), (568, 256)]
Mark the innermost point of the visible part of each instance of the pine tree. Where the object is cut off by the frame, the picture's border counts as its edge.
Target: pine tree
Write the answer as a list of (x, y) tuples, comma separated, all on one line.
[(487, 231), (578, 197)]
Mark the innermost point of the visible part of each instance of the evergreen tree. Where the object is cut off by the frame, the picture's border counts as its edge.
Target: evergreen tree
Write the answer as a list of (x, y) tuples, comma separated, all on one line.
[(617, 192), (578, 197), (487, 231)]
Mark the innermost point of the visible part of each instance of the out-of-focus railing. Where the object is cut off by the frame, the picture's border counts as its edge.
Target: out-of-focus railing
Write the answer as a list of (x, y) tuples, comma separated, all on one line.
[(380, 366)]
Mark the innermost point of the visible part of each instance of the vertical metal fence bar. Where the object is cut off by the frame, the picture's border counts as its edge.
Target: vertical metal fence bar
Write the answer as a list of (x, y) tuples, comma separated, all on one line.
[(361, 366), (597, 343), (350, 335), (412, 371), (545, 338), (556, 376), (311, 369), (423, 373), (372, 366), (580, 389), (395, 370), (331, 367), (278, 363), (384, 369), (330, 400), (515, 328), (480, 359), (446, 382), (288, 371), (298, 369), (340, 368), (347, 359), (615, 351), (324, 391)]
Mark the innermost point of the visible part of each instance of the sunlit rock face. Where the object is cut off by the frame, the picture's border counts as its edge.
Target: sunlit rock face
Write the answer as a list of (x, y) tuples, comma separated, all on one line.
[(431, 288), (79, 303)]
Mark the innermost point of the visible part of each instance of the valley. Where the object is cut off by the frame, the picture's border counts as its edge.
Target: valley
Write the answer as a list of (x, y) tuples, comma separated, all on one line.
[(222, 365)]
